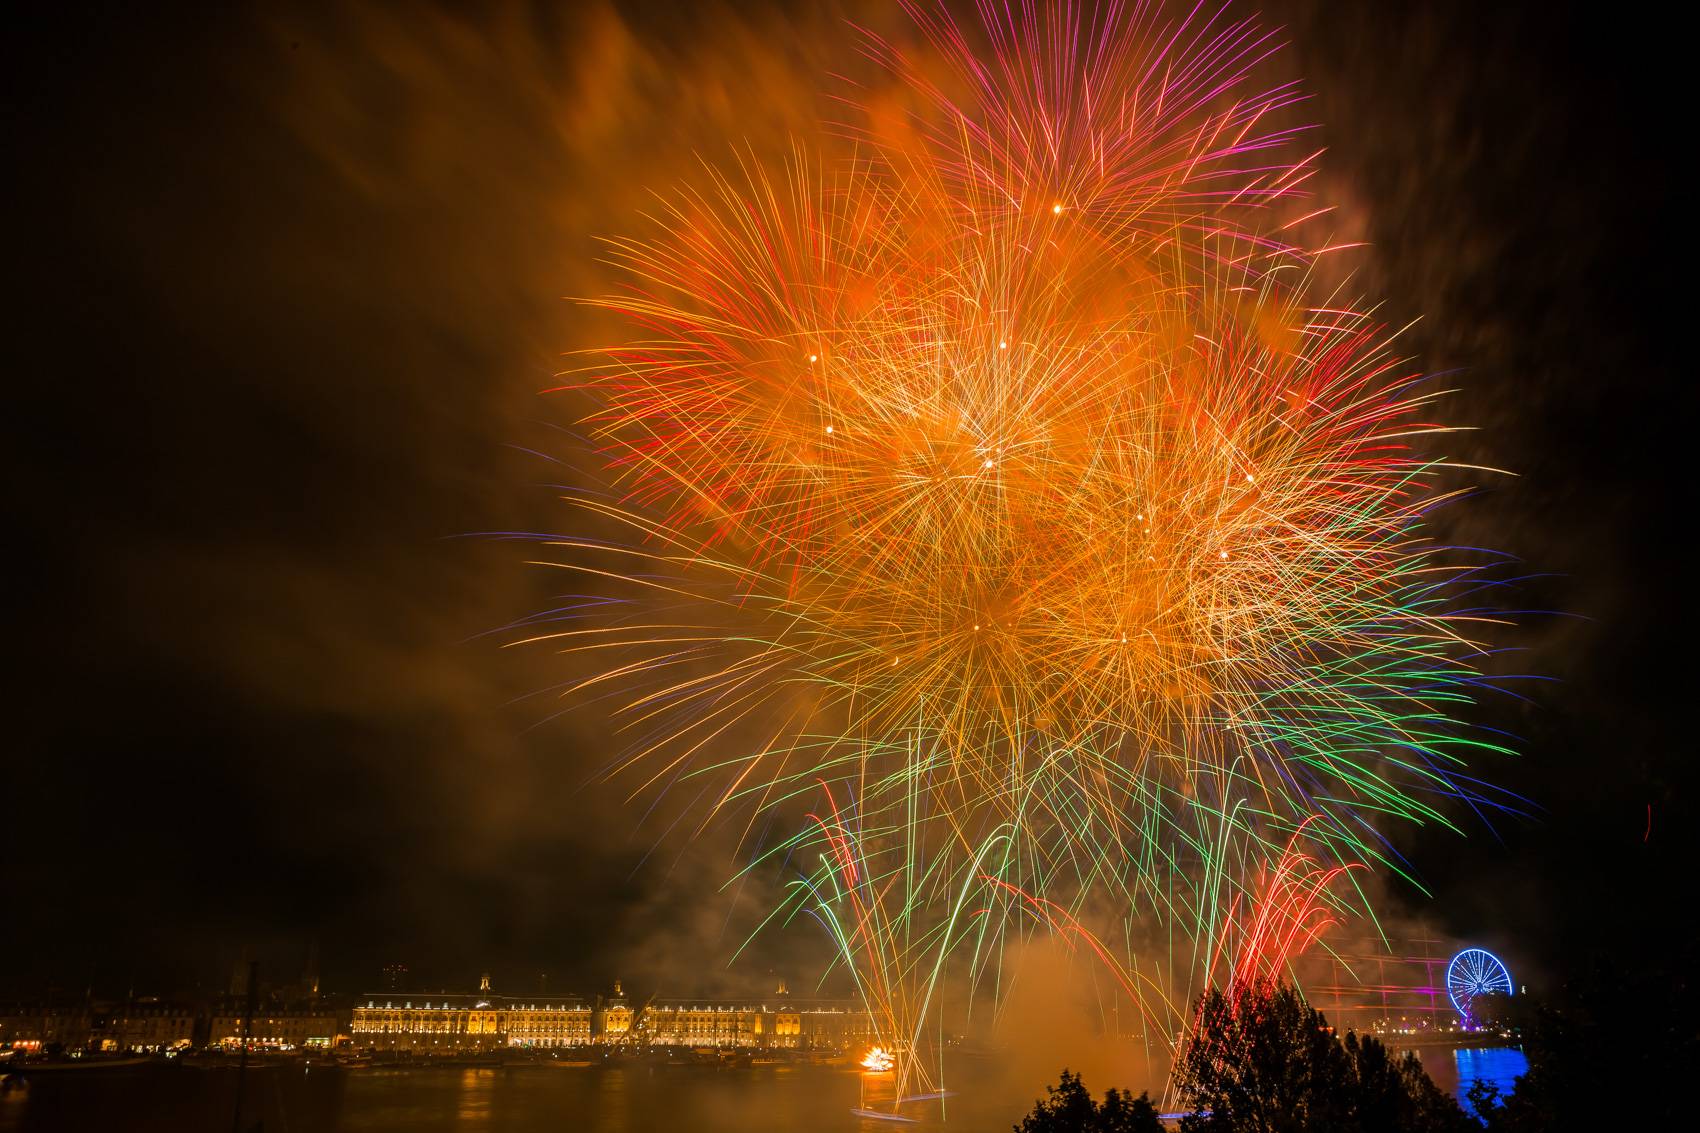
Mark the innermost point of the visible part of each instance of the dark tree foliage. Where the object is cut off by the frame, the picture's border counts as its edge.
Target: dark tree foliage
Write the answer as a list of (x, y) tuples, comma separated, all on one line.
[(1395, 1092), (1068, 1108), (1124, 1113), (1262, 1060), (1616, 1035)]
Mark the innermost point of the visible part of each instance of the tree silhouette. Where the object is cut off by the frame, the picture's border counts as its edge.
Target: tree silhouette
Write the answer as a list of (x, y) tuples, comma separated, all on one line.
[(1613, 1022), (1068, 1108), (1262, 1060)]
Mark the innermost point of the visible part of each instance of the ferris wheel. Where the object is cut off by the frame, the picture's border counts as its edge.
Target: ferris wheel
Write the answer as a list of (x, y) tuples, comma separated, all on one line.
[(1474, 972)]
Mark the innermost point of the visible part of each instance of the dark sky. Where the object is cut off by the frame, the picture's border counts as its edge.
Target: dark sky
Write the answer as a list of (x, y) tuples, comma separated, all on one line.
[(289, 285)]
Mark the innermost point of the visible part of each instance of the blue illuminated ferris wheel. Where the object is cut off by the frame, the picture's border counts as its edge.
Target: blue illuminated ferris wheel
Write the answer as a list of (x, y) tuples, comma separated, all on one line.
[(1475, 972)]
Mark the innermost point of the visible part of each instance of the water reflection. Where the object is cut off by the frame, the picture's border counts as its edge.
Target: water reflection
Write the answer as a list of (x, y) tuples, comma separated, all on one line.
[(534, 1099), (617, 1099), (1498, 1065), (477, 1089), (611, 1115)]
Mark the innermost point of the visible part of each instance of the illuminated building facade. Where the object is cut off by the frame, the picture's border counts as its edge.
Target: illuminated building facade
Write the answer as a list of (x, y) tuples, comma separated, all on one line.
[(153, 1026), (145, 1025), (274, 1029), (450, 1023), (32, 1027)]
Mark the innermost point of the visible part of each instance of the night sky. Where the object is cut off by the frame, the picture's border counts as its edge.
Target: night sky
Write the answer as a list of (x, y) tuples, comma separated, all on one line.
[(290, 285)]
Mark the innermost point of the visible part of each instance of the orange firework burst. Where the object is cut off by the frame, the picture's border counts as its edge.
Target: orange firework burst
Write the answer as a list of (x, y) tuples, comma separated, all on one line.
[(1022, 482), (1012, 474)]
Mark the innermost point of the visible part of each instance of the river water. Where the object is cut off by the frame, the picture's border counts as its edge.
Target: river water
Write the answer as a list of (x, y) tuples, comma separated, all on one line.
[(1453, 1071), (631, 1099), (634, 1099)]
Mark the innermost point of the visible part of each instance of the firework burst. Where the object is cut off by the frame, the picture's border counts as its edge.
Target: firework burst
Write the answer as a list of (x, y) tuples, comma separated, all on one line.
[(1012, 481)]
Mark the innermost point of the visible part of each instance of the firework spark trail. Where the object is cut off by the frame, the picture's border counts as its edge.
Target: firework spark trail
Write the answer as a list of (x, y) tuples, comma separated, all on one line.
[(1012, 479), (1294, 906)]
